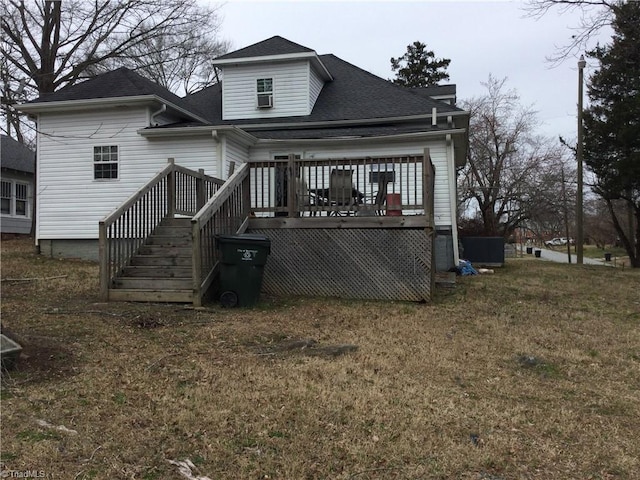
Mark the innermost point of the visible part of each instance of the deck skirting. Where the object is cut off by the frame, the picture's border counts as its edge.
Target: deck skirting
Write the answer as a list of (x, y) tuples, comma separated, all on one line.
[(358, 263)]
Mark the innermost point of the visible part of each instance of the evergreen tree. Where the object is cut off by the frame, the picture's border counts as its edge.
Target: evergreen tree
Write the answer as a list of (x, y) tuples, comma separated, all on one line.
[(419, 67), (612, 125)]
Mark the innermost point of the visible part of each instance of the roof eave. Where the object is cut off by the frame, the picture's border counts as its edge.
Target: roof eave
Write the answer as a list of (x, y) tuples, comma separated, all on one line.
[(312, 56), (456, 132), (88, 103), (358, 121), (163, 132)]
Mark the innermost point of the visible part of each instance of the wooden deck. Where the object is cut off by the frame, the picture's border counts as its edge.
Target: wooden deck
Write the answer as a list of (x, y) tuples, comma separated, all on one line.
[(370, 236)]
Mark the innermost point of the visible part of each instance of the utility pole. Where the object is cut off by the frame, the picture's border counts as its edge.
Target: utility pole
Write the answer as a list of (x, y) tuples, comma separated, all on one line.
[(579, 208), (566, 215)]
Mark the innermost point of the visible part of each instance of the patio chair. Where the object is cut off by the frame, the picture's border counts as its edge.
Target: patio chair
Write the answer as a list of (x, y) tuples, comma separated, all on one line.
[(381, 197), (341, 191), (303, 197)]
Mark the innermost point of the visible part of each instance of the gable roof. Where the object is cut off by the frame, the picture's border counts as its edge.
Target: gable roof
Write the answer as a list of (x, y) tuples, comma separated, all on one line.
[(272, 46), (16, 156)]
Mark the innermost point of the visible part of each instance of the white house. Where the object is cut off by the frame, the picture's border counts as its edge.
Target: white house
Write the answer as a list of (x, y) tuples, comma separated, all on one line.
[(99, 141), (18, 166)]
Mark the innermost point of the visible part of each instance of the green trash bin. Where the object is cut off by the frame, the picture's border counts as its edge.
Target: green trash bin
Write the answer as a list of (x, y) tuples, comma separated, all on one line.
[(242, 261)]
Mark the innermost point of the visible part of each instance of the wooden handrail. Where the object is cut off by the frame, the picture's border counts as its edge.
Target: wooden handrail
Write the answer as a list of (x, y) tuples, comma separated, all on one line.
[(221, 195), (173, 190), (225, 213), (109, 219), (295, 187)]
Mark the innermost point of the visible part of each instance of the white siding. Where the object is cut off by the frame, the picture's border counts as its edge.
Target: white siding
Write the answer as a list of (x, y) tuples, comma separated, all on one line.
[(315, 87), (70, 201), (437, 149), (290, 90), (234, 152)]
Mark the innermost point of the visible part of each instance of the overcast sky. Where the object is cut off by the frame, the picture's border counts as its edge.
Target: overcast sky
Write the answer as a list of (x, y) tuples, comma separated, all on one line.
[(480, 38)]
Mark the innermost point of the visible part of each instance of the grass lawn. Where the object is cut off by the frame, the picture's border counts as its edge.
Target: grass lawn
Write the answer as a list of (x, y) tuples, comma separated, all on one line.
[(592, 251), (530, 373)]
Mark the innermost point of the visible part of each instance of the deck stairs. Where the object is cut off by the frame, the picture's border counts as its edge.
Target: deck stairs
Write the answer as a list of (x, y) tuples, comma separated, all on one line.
[(161, 270)]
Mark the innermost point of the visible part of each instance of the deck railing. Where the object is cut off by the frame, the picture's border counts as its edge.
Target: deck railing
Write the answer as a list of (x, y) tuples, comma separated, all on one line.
[(370, 186), (174, 190), (227, 212)]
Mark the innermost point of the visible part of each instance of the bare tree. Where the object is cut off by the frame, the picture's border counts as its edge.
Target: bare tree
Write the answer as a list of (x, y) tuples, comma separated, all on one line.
[(50, 44), (598, 225), (512, 175), (595, 15)]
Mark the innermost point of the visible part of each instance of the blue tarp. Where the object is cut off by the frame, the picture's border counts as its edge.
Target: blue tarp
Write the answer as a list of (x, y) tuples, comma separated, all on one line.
[(465, 268)]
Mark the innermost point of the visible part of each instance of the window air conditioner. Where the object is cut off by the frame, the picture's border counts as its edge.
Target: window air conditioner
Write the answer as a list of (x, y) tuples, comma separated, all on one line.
[(265, 100)]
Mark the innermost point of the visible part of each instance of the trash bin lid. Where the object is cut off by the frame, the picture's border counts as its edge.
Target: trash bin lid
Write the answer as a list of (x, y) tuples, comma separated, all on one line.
[(250, 238)]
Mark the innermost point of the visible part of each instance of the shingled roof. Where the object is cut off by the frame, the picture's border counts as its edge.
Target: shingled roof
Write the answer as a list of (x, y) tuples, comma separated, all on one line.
[(121, 82), (16, 156), (354, 94), (271, 46)]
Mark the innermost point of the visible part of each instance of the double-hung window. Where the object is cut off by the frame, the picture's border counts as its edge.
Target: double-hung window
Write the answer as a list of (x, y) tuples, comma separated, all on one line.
[(264, 87), (105, 162), (14, 198), (7, 195)]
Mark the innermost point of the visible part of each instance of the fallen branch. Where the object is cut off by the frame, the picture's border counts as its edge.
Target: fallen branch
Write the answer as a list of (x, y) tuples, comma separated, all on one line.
[(151, 365), (75, 312), (33, 279), (185, 468), (60, 428)]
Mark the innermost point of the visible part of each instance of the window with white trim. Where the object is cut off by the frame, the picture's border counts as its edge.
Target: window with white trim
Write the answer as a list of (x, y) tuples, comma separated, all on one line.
[(105, 162), (7, 194), (14, 198), (264, 87)]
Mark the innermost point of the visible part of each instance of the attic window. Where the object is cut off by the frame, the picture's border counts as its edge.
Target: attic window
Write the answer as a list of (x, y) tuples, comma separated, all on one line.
[(265, 92)]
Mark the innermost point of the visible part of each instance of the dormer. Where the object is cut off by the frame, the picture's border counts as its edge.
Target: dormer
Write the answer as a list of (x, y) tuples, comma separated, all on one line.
[(270, 79)]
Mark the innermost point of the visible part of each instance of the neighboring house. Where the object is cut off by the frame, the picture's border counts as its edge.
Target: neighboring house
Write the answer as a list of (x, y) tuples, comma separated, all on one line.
[(18, 167), (101, 140)]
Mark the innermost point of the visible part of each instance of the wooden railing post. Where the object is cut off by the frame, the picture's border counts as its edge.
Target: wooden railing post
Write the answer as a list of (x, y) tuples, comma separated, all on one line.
[(171, 190), (103, 253), (197, 263), (200, 190), (246, 196), (292, 184), (428, 183), (428, 200)]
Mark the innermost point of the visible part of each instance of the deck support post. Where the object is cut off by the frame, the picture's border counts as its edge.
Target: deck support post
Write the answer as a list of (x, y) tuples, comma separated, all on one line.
[(428, 183), (196, 269), (103, 255), (428, 193)]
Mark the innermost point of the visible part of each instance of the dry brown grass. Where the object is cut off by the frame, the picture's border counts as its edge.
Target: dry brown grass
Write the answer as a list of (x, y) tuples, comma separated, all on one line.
[(531, 373)]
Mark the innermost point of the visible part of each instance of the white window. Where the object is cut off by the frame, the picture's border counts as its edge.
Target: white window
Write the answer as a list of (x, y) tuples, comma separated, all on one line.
[(105, 162), (22, 199), (15, 199), (264, 87), (7, 195)]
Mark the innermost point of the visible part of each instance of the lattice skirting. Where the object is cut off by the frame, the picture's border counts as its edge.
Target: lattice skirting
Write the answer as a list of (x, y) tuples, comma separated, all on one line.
[(382, 264)]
